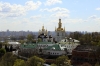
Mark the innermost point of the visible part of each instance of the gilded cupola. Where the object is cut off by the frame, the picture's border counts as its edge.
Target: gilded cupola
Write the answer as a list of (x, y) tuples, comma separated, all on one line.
[(60, 26)]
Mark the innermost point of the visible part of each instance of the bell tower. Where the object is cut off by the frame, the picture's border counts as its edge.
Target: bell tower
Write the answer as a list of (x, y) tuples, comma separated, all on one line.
[(59, 24), (60, 32)]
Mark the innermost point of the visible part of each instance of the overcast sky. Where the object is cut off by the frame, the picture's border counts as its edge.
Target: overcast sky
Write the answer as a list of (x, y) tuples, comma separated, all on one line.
[(76, 15)]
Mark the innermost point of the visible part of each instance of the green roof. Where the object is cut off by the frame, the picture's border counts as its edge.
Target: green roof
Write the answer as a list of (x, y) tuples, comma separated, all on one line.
[(45, 43), (28, 45), (54, 47)]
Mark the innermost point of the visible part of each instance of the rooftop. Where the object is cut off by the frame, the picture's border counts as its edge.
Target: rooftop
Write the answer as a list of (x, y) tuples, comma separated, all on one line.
[(68, 40), (13, 43), (28, 46), (45, 43)]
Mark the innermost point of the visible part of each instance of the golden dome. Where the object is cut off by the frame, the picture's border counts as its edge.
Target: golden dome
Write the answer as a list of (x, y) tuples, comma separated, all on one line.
[(60, 26)]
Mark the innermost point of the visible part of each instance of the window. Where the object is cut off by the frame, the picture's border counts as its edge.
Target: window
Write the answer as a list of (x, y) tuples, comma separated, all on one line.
[(57, 34), (50, 53), (55, 53)]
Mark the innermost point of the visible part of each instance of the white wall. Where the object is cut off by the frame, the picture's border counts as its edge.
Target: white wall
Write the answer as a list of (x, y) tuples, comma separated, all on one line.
[(53, 52)]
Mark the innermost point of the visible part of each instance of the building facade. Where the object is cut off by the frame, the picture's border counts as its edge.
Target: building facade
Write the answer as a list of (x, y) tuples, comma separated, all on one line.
[(54, 50)]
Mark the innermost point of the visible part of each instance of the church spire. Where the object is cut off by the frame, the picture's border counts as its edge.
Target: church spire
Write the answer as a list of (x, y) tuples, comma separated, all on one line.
[(59, 20), (59, 24)]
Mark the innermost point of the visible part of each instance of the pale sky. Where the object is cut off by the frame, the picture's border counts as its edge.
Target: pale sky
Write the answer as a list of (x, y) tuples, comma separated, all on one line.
[(76, 15)]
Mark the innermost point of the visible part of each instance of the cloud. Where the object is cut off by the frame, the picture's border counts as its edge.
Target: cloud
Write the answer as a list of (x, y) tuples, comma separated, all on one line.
[(20, 24), (97, 8), (74, 20), (60, 15), (97, 20), (30, 5), (36, 17), (15, 10), (93, 17), (56, 9), (57, 12), (52, 2)]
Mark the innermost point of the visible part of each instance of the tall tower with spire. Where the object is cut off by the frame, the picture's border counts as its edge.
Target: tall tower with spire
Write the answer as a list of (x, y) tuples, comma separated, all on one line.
[(60, 32)]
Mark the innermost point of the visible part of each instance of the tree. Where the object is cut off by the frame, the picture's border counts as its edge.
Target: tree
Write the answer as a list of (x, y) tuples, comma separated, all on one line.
[(87, 37), (30, 37), (97, 64), (62, 61), (1, 44), (8, 59), (2, 52), (22, 41), (39, 39), (35, 61), (99, 43), (53, 65), (21, 37), (6, 48), (19, 62), (11, 48)]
